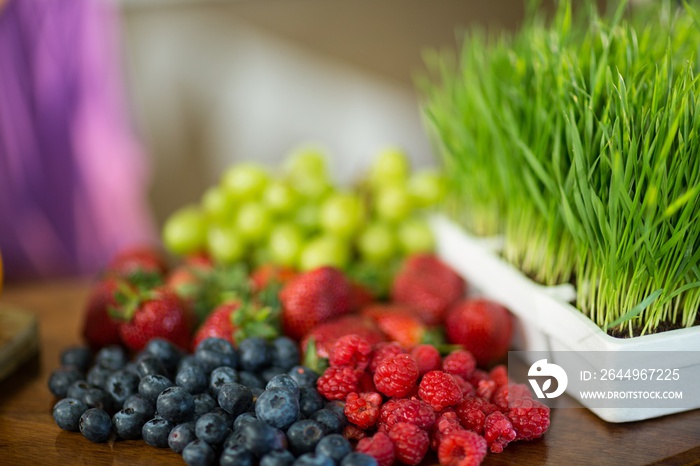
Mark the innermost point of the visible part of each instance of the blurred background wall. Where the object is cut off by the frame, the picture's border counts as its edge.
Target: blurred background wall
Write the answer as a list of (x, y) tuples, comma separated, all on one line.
[(213, 82)]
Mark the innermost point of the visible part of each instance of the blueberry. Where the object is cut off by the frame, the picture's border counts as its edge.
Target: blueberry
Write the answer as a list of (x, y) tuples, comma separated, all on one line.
[(279, 407), (254, 354), (312, 459), (192, 378), (121, 385), (234, 439), (304, 435), (335, 446), (141, 405), (166, 352), (203, 403), (236, 455), (251, 380), (97, 398), (269, 372), (175, 404), (67, 413), (235, 398), (187, 361), (277, 458), (260, 438), (180, 436), (151, 386), (62, 378), (220, 376), (97, 376), (284, 381), (358, 459), (337, 406), (256, 391), (242, 420), (224, 414), (95, 425), (156, 431), (304, 376), (329, 421), (198, 453), (215, 352), (112, 357), (77, 356), (128, 423), (284, 353), (78, 389), (131, 368), (147, 364), (211, 428), (310, 401)]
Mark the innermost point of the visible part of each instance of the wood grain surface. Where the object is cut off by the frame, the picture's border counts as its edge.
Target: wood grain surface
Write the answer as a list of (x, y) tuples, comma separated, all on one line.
[(29, 436)]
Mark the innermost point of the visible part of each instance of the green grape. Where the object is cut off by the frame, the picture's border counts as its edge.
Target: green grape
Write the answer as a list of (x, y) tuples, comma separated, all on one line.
[(285, 243), (253, 221), (415, 235), (311, 186), (225, 245), (217, 204), (245, 181), (184, 231), (427, 188), (391, 166), (341, 214), (279, 197), (393, 203), (307, 216), (307, 161), (377, 242), (325, 250)]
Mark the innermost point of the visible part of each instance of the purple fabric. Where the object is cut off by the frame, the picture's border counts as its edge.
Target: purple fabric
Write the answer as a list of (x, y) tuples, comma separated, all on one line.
[(72, 175)]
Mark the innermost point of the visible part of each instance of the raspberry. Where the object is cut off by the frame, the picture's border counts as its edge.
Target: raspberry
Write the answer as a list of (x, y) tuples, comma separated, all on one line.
[(410, 442), (499, 374), (472, 412), (498, 431), (485, 389), (506, 394), (363, 409), (530, 418), (460, 362), (427, 357), (397, 375), (337, 381), (467, 388), (446, 422), (440, 390), (378, 446), (462, 448), (477, 376), (410, 410), (382, 351), (350, 350), (353, 433)]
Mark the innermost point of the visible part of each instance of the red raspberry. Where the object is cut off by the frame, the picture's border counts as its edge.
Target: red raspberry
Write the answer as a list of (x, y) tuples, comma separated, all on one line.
[(337, 381), (440, 390), (477, 376), (384, 350), (397, 375), (427, 357), (460, 362), (499, 374), (410, 443), (363, 409), (467, 388), (472, 412), (486, 389), (530, 418), (462, 448), (366, 383), (353, 433), (350, 350), (446, 422), (378, 446), (506, 394), (410, 410), (498, 431)]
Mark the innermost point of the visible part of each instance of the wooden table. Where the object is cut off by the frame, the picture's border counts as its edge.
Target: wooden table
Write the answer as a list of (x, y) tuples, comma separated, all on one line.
[(28, 434)]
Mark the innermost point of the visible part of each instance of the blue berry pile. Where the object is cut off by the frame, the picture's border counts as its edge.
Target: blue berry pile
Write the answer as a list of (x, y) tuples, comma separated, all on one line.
[(254, 405)]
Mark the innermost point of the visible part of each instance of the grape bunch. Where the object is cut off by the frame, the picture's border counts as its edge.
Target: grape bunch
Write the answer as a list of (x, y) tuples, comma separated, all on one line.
[(298, 218)]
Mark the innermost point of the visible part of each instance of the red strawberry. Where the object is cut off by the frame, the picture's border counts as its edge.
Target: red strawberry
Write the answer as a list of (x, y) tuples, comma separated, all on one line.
[(269, 273), (402, 324), (313, 298), (99, 329), (155, 313), (138, 259), (219, 324), (428, 284), (483, 327), (361, 295), (326, 334)]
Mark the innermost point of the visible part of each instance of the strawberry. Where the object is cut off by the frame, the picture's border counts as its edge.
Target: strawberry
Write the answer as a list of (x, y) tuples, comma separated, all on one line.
[(313, 298), (483, 327), (402, 324), (155, 313), (428, 284), (327, 333), (137, 259), (218, 324), (267, 274), (99, 329)]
